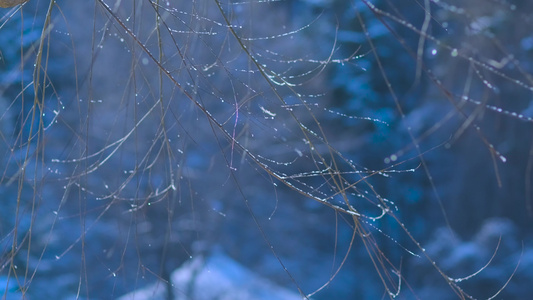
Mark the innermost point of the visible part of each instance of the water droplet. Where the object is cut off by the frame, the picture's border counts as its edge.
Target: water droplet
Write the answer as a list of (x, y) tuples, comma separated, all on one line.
[(454, 53)]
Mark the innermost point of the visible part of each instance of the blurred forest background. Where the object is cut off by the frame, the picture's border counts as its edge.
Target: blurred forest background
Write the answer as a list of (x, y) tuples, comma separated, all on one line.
[(381, 148)]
